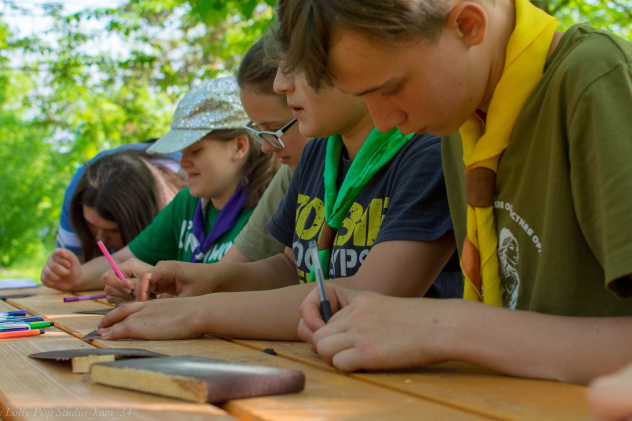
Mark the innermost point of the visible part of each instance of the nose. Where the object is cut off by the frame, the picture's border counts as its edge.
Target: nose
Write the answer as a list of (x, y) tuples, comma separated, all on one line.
[(184, 161), (266, 147), (283, 84), (385, 116)]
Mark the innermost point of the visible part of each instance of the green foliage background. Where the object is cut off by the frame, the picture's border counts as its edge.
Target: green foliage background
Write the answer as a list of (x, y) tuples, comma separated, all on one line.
[(73, 91)]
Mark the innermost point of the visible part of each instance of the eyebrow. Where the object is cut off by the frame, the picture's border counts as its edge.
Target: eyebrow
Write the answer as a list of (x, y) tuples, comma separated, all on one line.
[(270, 123), (371, 90)]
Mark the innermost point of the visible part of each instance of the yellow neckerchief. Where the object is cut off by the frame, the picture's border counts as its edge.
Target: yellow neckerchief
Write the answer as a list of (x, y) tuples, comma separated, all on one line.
[(484, 142)]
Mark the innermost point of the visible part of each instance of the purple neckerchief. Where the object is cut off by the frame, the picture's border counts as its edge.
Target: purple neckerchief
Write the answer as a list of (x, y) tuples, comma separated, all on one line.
[(225, 221)]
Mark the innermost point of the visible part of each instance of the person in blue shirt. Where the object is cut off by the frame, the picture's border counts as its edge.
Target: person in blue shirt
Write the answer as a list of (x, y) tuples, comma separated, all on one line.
[(116, 197), (66, 235)]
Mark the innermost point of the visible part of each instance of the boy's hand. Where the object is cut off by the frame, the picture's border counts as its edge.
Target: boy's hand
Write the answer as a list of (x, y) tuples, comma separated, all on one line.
[(153, 320), (373, 331), (62, 270), (610, 397), (311, 317)]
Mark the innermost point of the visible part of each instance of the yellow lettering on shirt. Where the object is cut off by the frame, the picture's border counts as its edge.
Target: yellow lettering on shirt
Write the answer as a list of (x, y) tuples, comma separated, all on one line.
[(361, 226)]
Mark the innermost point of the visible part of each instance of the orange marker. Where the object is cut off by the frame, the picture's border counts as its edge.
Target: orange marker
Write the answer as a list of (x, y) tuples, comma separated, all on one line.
[(21, 333)]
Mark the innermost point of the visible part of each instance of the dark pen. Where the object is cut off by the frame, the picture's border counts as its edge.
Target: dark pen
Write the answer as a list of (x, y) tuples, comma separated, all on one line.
[(320, 280)]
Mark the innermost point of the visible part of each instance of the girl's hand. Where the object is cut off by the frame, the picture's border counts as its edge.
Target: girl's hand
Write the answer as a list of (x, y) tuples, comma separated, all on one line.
[(62, 271), (121, 291)]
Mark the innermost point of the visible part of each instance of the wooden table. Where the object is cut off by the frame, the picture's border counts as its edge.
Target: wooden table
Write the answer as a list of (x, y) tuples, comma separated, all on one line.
[(33, 390)]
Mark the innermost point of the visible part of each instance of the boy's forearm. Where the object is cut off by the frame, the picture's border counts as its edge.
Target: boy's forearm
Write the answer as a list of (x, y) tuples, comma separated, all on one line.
[(265, 315), (529, 344), (274, 272)]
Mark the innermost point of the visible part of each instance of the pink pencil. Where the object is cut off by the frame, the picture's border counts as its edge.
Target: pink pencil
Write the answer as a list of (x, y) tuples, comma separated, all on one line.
[(111, 261), (107, 256)]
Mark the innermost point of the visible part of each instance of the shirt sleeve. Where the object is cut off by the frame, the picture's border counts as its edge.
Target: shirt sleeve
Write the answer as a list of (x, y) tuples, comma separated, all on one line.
[(66, 232), (600, 145), (255, 241)]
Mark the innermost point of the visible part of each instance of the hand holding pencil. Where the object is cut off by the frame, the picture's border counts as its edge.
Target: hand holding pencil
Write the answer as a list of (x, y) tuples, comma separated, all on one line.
[(120, 290), (320, 280), (312, 318), (116, 270)]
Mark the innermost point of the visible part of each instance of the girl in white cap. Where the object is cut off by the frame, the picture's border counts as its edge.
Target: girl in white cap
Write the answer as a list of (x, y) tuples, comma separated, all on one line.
[(226, 175)]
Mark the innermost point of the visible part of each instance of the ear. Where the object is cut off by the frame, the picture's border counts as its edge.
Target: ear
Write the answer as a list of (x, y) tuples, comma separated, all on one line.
[(242, 146), (470, 21)]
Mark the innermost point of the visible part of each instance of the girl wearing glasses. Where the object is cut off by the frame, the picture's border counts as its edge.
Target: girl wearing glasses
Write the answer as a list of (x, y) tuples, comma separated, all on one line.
[(274, 127), (389, 232)]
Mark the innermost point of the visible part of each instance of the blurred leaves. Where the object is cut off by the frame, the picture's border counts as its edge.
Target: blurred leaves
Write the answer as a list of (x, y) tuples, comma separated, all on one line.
[(102, 77), (96, 79), (613, 15)]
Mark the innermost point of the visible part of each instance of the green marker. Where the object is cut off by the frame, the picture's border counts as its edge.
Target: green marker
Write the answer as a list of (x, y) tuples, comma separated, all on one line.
[(39, 325)]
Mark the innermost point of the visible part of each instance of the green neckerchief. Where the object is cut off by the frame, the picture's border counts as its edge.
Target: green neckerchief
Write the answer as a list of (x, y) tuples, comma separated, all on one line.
[(378, 149)]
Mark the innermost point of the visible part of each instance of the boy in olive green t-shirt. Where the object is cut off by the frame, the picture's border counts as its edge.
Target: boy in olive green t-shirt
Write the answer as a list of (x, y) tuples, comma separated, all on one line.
[(547, 142)]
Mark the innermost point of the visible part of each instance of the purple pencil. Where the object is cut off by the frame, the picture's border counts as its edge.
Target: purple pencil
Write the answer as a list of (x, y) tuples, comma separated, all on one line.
[(84, 297)]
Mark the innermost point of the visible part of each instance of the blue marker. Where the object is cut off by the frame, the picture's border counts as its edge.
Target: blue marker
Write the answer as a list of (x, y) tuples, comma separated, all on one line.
[(13, 313), (25, 319), (13, 326)]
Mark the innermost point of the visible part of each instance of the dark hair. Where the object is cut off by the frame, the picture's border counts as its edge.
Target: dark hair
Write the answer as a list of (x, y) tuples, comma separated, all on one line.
[(259, 168), (124, 187), (256, 72), (305, 28)]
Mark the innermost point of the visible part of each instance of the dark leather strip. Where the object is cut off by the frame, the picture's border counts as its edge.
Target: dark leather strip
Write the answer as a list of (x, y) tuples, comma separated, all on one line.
[(327, 237), (481, 182)]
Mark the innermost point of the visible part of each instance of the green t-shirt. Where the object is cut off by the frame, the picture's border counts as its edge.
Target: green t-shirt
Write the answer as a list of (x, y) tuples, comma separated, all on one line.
[(563, 203), (255, 241), (170, 234)]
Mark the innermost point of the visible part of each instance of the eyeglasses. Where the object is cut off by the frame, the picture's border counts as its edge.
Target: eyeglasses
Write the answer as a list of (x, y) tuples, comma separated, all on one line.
[(273, 138)]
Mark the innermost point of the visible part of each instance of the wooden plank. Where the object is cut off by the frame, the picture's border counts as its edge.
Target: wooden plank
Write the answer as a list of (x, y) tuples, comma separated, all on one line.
[(295, 351), (34, 390), (327, 395), (467, 387), (486, 392), (462, 385), (94, 292), (40, 290), (53, 308)]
